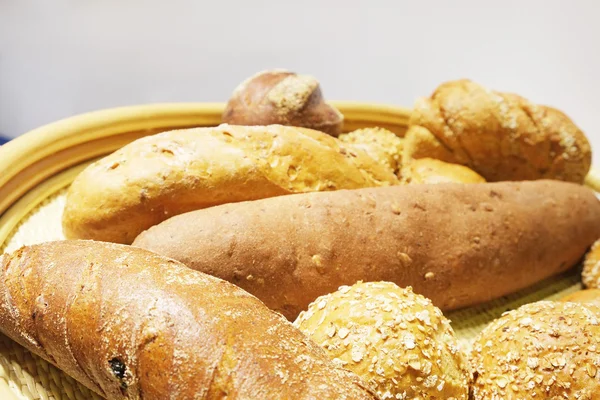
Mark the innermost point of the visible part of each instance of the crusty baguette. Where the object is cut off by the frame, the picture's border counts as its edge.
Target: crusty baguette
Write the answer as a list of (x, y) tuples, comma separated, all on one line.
[(130, 324), (159, 176), (456, 244)]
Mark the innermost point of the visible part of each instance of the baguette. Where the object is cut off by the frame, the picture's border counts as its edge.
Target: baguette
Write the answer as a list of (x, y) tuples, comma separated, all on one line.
[(159, 176), (130, 324), (456, 244)]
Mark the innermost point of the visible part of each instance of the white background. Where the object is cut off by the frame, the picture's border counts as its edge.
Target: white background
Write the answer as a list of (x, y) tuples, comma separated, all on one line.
[(63, 57)]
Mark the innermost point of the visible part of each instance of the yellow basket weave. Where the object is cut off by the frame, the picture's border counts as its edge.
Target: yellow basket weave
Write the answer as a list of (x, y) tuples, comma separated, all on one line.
[(36, 169)]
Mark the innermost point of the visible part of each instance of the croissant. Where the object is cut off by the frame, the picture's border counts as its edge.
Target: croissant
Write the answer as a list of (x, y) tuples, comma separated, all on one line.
[(502, 136)]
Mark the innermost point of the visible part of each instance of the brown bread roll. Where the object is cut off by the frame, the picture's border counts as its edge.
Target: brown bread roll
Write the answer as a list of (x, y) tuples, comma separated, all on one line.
[(432, 171), (501, 136), (588, 297), (453, 243), (159, 176), (392, 338), (544, 350), (130, 324), (590, 275), (285, 98)]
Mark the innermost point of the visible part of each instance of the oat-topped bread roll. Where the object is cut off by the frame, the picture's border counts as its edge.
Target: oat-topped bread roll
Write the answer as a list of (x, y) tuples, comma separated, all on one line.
[(430, 170), (130, 324), (282, 97), (382, 145), (170, 173), (590, 275), (587, 296), (544, 350), (392, 338), (501, 136)]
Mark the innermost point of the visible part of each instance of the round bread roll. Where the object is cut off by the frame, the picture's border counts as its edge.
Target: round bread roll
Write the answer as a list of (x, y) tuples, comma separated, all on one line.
[(391, 337), (429, 170), (382, 145), (501, 136), (587, 297), (284, 98), (543, 350), (590, 276)]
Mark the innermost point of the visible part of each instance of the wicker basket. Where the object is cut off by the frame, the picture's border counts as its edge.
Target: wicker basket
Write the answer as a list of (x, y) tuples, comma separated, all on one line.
[(37, 168)]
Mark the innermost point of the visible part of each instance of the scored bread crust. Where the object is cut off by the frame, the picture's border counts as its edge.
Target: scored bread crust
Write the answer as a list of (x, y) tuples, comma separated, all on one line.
[(131, 324), (502, 136), (285, 98), (453, 243), (391, 337), (543, 350), (156, 177)]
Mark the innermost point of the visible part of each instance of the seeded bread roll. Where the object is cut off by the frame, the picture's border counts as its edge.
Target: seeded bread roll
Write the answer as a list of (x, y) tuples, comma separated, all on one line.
[(456, 244), (588, 297), (392, 338), (501, 136), (159, 176), (130, 324), (431, 171), (590, 275), (544, 350), (285, 98), (382, 145)]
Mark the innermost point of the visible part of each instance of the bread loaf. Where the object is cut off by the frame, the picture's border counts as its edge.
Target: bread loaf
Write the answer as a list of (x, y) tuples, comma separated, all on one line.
[(453, 243), (501, 136), (381, 144), (285, 98), (432, 171), (590, 275), (587, 297), (129, 324), (167, 174), (544, 350), (390, 337)]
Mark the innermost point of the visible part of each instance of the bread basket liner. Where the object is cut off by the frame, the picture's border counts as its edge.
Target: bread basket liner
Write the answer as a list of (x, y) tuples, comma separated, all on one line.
[(36, 169)]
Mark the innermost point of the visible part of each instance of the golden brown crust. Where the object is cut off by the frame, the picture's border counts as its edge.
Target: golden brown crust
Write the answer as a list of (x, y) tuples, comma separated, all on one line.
[(590, 275), (587, 296), (453, 243), (392, 338), (173, 172), (544, 350), (502, 136), (431, 171), (130, 324), (382, 145), (284, 98)]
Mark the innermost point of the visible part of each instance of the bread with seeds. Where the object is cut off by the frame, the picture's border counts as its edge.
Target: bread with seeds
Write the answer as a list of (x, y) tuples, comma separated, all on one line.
[(456, 244), (129, 324), (156, 177), (394, 339), (501, 136), (587, 296), (382, 145), (543, 350), (285, 98), (590, 274)]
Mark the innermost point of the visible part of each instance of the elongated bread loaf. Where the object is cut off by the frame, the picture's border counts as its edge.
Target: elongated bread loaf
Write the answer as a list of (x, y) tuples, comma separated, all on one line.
[(130, 324), (456, 244), (159, 176)]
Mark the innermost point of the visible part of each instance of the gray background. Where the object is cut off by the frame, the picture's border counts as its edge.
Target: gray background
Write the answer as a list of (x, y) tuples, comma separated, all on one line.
[(63, 57)]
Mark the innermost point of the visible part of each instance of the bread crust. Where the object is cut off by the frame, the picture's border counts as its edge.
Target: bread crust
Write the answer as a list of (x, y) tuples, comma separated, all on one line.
[(543, 350), (131, 324), (170, 173), (392, 338), (453, 243), (502, 136), (285, 98), (587, 296)]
